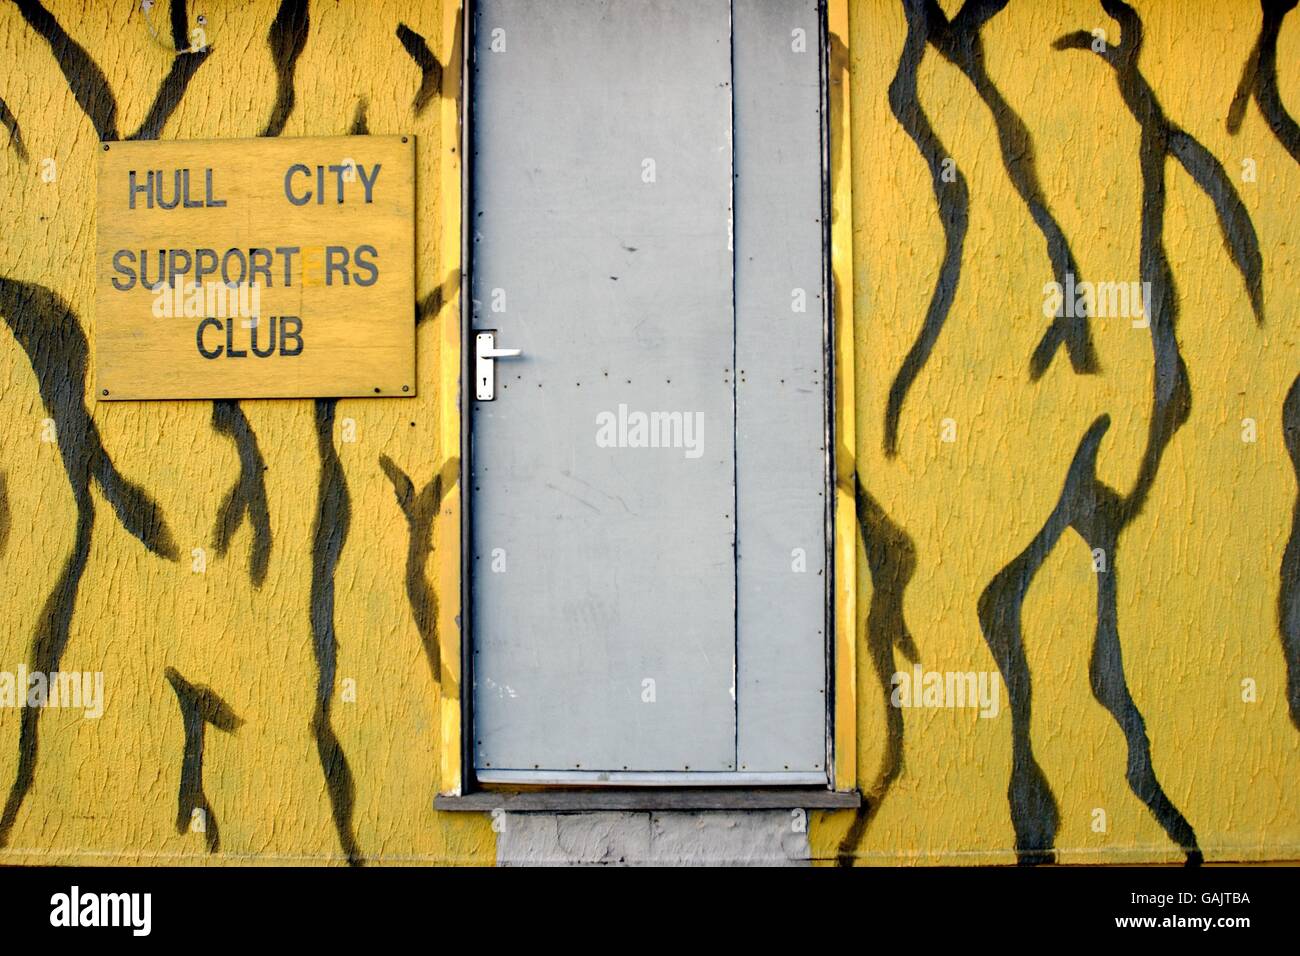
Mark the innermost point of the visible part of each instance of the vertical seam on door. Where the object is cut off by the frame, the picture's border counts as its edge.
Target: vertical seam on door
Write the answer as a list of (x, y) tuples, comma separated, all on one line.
[(735, 403)]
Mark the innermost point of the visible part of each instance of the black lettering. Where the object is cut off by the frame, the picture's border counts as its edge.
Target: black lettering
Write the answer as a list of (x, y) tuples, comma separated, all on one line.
[(212, 203), (230, 341), (225, 266), (368, 266), (176, 191), (189, 204), (127, 271), (287, 252), (205, 264), (369, 183), (198, 336), (331, 266), (144, 272), (288, 188), (256, 267), (338, 176), (270, 347), (174, 255), (286, 335), (133, 188)]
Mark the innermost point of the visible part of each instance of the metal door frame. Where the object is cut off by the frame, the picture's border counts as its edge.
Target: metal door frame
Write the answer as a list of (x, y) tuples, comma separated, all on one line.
[(840, 508)]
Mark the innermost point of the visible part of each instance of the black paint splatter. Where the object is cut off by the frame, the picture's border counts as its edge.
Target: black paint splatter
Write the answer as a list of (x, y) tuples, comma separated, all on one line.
[(51, 335), (85, 79), (421, 509), (56, 347), (333, 516), (10, 122), (180, 20), (1259, 79), (1288, 599), (1098, 513), (1166, 138), (959, 43), (432, 303), (48, 644), (1238, 231), (90, 87), (247, 496), (1034, 811), (891, 559), (169, 95), (360, 125), (200, 706), (177, 81), (286, 37), (6, 517), (954, 210), (430, 68)]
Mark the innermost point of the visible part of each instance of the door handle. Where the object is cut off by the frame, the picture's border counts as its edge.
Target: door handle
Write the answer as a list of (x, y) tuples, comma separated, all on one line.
[(485, 352)]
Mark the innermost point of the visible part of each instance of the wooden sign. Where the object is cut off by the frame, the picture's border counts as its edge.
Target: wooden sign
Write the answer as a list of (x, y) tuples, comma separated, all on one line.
[(256, 268)]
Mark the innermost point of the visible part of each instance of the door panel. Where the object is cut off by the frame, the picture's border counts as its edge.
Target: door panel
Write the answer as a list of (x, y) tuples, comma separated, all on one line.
[(597, 569), (780, 388)]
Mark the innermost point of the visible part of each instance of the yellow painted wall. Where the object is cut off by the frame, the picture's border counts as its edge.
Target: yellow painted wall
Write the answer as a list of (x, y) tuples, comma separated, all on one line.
[(108, 788), (1198, 571), (1199, 568)]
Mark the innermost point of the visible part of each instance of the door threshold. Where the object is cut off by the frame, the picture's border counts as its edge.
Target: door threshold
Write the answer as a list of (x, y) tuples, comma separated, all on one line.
[(653, 778), (692, 798)]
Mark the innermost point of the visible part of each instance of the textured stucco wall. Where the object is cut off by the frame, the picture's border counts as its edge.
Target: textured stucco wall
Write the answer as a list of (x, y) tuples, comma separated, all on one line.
[(101, 514), (1198, 568), (109, 788)]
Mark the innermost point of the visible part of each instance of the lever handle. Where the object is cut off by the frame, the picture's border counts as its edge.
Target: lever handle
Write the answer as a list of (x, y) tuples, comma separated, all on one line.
[(485, 351)]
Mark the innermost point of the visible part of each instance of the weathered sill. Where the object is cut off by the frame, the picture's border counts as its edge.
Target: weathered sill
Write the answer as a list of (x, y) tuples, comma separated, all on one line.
[(683, 798)]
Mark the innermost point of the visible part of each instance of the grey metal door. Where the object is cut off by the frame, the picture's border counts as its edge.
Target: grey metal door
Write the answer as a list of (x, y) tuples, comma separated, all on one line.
[(603, 509)]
